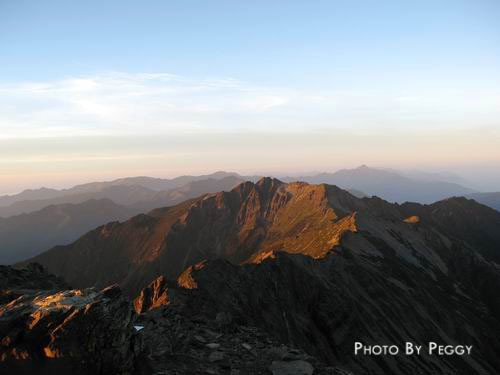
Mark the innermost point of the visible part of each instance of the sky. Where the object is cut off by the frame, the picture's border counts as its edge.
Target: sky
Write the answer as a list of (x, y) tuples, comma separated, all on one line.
[(95, 90)]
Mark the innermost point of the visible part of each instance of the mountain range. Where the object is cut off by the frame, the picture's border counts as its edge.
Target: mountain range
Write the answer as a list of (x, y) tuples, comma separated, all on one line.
[(126, 191), (23, 236), (142, 194), (314, 266), (390, 185), (56, 222)]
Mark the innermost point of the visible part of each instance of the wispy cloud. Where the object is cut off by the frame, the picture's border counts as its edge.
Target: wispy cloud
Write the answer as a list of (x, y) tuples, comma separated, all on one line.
[(128, 103), (160, 103)]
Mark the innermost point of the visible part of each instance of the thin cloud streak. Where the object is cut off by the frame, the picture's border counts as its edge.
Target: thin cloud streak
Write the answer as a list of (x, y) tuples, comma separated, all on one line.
[(120, 103)]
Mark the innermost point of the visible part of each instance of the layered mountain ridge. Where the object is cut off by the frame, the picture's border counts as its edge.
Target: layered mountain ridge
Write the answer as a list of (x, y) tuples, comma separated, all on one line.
[(241, 225), (390, 185), (23, 236), (315, 267), (57, 223), (251, 222)]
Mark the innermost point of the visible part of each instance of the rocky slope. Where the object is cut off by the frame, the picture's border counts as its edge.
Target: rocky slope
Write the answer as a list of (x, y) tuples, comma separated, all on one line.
[(241, 225), (463, 219), (489, 199), (46, 328), (253, 220), (60, 331), (324, 306), (316, 268), (180, 340), (14, 282), (248, 223)]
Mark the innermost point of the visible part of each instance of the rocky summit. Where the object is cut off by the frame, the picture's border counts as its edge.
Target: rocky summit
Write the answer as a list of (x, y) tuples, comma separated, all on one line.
[(309, 267), (59, 330)]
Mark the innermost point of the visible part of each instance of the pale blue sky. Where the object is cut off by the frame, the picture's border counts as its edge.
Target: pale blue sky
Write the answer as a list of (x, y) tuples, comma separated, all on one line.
[(245, 85)]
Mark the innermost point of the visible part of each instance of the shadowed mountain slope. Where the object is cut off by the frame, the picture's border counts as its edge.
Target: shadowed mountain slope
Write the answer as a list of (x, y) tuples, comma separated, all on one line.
[(458, 217), (489, 199), (326, 305), (27, 235)]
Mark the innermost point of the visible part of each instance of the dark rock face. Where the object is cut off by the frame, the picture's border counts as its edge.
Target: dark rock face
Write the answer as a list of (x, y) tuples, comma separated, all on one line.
[(65, 331), (473, 223), (183, 341), (325, 306)]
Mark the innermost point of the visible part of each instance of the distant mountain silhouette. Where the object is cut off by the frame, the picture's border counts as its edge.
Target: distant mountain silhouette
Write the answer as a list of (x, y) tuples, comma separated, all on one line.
[(489, 199), (142, 193), (432, 176), (156, 184), (190, 190), (120, 194), (388, 185), (42, 193), (24, 236)]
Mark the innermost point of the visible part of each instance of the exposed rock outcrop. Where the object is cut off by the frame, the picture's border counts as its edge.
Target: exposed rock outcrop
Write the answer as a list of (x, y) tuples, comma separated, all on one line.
[(15, 282), (157, 294), (64, 331)]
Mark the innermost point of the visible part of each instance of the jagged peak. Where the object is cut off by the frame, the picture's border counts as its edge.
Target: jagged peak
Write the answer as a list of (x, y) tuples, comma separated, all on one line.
[(264, 185), (269, 181), (244, 186)]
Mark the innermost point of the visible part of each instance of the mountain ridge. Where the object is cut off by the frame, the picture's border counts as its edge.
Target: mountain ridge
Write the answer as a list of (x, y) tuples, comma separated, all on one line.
[(314, 266), (388, 184), (245, 224), (26, 235)]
